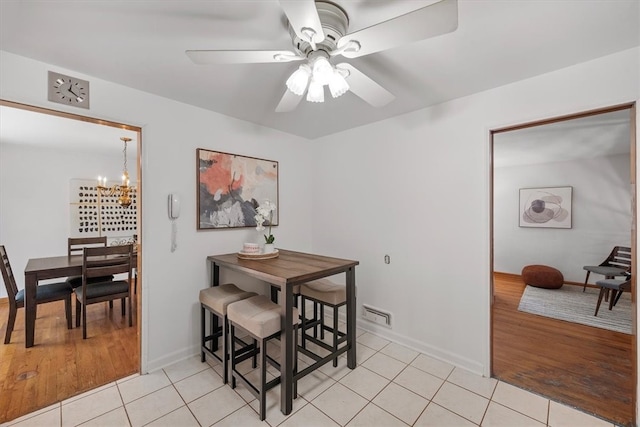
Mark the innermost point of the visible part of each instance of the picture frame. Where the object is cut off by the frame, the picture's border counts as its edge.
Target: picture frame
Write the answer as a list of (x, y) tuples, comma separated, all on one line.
[(231, 187), (546, 207)]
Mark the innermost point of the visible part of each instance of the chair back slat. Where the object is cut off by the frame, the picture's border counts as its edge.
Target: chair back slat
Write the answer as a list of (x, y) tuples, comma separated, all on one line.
[(7, 276), (620, 257), (76, 244), (105, 261)]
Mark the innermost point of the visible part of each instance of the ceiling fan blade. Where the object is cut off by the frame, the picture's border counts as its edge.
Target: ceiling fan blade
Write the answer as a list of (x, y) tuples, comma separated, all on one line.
[(303, 14), (204, 57), (430, 21), (362, 86), (289, 102)]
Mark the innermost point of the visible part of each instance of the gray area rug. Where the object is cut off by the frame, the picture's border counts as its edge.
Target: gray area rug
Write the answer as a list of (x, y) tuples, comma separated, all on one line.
[(571, 304)]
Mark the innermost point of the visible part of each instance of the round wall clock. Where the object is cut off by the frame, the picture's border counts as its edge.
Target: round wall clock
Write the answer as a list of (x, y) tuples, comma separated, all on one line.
[(68, 90)]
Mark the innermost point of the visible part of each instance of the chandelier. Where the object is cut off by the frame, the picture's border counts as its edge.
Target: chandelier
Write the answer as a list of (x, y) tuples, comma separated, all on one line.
[(316, 74), (122, 191)]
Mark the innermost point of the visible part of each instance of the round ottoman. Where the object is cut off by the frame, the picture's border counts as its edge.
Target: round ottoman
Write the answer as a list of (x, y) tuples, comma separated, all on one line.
[(542, 276)]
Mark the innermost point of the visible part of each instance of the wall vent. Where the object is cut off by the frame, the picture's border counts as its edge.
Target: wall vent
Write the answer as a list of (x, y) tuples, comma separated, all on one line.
[(376, 315)]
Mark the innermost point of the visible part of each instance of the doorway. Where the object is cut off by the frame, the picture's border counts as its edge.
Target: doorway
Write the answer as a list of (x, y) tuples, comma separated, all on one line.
[(593, 154), (43, 158)]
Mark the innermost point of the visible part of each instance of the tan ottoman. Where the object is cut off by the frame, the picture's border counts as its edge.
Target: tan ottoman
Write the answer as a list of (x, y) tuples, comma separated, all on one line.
[(542, 276)]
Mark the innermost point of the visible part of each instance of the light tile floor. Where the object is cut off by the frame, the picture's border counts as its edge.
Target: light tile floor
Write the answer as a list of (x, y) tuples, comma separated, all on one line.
[(391, 386)]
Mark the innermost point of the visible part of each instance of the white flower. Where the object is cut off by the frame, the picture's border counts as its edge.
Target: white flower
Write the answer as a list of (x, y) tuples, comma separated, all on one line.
[(262, 212), (259, 221)]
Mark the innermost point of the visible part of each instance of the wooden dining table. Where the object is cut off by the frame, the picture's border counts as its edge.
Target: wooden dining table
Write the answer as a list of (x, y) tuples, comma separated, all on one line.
[(287, 270), (38, 269)]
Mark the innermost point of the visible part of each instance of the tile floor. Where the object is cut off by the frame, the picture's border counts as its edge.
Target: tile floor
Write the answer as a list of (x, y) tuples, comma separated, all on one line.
[(392, 386)]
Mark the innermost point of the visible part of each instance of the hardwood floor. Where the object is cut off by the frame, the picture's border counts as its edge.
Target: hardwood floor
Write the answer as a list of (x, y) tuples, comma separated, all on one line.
[(581, 366), (62, 364)]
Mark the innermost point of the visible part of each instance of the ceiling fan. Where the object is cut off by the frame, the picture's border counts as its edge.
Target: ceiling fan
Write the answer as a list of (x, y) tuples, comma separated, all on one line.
[(318, 31)]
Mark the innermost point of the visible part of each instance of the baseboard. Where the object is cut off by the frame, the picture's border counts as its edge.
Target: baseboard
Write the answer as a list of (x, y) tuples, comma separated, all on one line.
[(419, 346), (435, 352), (170, 359)]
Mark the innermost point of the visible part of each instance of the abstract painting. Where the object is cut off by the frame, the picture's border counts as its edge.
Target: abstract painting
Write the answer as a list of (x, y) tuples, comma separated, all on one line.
[(231, 187), (94, 215), (548, 207)]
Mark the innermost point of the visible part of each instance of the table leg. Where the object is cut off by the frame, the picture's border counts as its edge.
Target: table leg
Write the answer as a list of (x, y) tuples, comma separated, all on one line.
[(215, 281), (351, 317), (286, 351), (30, 307)]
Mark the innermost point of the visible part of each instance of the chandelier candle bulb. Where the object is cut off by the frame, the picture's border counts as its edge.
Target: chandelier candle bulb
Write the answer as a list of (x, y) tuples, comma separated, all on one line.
[(122, 191)]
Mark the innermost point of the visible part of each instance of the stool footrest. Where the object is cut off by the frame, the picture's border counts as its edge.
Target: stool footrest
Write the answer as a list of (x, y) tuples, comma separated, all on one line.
[(211, 353), (319, 360), (323, 344)]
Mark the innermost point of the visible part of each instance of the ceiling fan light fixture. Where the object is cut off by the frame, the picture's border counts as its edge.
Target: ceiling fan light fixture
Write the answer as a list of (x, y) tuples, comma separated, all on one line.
[(315, 92), (299, 79), (338, 84), (322, 70)]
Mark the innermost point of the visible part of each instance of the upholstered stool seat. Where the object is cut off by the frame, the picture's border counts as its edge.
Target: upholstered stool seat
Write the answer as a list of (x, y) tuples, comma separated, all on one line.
[(323, 293), (216, 299), (542, 276), (262, 319)]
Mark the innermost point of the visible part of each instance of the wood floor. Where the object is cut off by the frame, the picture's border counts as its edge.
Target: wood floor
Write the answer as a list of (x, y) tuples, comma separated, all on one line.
[(62, 364), (581, 366)]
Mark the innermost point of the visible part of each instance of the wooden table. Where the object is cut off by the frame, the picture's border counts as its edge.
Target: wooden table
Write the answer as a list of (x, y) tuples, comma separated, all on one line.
[(41, 269), (287, 270)]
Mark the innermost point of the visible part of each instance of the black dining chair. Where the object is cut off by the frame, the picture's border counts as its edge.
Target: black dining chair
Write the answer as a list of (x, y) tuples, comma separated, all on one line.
[(75, 245), (44, 293), (102, 262)]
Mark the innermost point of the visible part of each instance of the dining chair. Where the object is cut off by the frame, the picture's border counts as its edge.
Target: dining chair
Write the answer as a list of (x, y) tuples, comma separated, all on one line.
[(617, 287), (44, 293), (75, 245), (103, 262), (618, 263)]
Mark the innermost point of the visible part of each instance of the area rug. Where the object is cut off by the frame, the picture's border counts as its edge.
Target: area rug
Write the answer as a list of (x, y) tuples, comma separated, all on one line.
[(571, 304)]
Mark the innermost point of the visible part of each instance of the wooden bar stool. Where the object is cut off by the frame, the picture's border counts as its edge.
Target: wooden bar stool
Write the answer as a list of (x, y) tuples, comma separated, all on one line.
[(262, 319), (323, 293), (215, 300)]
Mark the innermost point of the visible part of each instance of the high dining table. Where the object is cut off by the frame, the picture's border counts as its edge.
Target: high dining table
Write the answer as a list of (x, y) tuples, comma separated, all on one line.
[(41, 269), (292, 268)]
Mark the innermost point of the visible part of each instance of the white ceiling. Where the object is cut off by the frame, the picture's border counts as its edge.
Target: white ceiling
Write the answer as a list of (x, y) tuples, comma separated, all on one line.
[(18, 126), (141, 44), (593, 136)]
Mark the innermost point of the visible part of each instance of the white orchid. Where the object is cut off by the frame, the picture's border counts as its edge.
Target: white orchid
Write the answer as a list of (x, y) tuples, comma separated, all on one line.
[(262, 212)]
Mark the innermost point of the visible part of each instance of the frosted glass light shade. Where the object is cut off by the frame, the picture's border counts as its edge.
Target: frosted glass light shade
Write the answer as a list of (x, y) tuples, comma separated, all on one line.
[(297, 82), (315, 92), (337, 84), (322, 71)]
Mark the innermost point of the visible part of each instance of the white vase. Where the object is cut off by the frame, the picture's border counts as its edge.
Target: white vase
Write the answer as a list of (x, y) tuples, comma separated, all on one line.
[(269, 248)]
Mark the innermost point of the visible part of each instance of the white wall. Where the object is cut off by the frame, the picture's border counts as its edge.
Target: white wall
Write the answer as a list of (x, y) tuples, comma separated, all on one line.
[(416, 187), (34, 199), (601, 217), (171, 132)]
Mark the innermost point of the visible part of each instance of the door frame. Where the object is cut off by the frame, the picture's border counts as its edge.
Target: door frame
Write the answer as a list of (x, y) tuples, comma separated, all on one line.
[(138, 131), (631, 107)]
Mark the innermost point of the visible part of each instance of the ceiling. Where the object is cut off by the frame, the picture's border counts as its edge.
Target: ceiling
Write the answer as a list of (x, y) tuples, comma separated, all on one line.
[(18, 126), (600, 135), (141, 44)]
